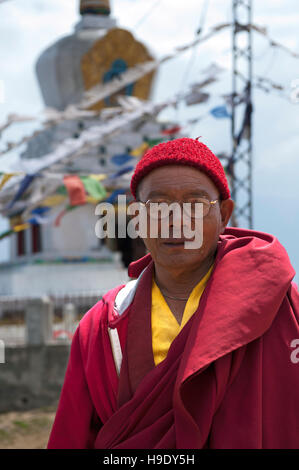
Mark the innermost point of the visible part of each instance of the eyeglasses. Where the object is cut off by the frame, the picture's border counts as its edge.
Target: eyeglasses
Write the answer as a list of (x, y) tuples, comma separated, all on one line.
[(159, 209)]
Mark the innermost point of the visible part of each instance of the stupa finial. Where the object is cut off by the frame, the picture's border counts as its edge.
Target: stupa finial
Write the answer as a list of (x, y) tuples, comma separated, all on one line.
[(95, 7)]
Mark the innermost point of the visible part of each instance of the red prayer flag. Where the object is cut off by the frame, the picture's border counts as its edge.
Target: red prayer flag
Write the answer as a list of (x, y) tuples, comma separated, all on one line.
[(75, 189), (173, 130)]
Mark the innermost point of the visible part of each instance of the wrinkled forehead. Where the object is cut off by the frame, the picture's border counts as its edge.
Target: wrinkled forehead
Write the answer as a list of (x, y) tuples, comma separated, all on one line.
[(176, 180)]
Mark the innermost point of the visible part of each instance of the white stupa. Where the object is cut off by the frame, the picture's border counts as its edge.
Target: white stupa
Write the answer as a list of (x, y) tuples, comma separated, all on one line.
[(67, 257)]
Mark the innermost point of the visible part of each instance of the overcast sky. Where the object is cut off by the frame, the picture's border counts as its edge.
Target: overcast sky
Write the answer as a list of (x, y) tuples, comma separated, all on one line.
[(27, 27)]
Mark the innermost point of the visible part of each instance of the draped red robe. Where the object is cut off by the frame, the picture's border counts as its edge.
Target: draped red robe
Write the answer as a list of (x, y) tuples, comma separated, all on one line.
[(230, 379)]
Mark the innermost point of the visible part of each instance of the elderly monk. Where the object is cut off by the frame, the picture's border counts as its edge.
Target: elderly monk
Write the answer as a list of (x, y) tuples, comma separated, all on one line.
[(200, 348)]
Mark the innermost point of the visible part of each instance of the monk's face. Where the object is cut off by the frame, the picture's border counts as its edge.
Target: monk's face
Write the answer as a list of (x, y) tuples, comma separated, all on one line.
[(181, 183)]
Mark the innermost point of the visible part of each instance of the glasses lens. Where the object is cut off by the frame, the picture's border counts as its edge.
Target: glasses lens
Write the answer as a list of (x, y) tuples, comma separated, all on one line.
[(197, 208)]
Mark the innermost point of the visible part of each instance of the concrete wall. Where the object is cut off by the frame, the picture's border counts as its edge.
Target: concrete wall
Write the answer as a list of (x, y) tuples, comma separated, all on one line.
[(32, 376), (67, 278)]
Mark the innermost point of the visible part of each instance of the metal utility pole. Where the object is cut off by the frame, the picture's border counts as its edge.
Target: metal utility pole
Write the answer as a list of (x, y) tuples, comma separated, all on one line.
[(240, 164)]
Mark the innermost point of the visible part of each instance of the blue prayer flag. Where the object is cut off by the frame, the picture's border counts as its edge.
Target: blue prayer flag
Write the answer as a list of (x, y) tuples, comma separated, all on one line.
[(220, 112)]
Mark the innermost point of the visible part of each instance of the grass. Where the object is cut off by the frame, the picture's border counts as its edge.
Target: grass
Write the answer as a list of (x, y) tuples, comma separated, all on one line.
[(21, 424), (26, 429)]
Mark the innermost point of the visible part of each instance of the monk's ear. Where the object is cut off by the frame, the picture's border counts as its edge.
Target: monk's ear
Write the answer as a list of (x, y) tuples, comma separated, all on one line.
[(226, 210)]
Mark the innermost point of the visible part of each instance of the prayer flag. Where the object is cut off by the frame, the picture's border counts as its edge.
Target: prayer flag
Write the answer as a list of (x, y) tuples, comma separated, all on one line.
[(99, 177), (121, 172), (121, 158), (5, 178), (40, 210), (38, 216), (153, 142), (139, 150), (25, 183), (62, 190), (53, 200), (75, 189), (220, 112), (19, 228), (196, 97), (93, 187), (113, 196), (172, 130)]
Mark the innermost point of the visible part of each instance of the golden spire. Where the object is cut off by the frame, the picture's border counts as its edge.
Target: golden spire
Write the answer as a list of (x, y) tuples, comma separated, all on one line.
[(95, 7)]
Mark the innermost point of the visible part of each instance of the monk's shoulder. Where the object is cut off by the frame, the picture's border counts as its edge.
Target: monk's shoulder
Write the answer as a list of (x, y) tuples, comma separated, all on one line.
[(97, 316), (285, 326)]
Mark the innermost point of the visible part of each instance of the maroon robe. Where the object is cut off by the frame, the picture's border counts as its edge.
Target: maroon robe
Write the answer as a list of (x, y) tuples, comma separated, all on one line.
[(230, 379)]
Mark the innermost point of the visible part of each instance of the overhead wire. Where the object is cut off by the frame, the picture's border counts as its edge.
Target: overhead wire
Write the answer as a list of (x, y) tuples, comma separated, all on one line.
[(192, 60), (271, 62), (147, 14)]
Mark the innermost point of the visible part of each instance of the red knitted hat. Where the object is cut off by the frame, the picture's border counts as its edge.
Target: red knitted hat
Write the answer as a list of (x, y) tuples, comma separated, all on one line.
[(184, 151)]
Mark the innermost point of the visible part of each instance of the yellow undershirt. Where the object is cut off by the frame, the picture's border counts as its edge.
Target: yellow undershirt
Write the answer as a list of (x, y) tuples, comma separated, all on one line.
[(164, 324)]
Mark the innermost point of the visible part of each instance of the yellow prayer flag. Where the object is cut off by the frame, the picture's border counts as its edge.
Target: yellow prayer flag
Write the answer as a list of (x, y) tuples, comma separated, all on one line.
[(18, 228), (6, 177), (99, 177), (91, 200), (139, 150), (53, 200)]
